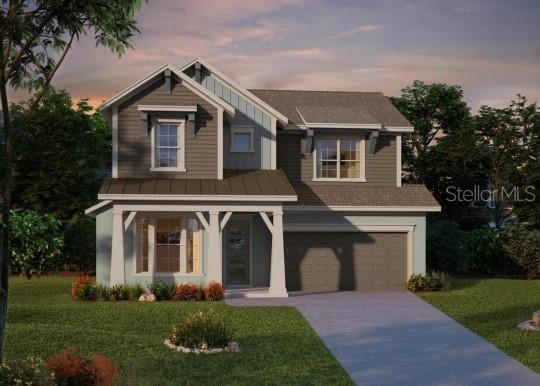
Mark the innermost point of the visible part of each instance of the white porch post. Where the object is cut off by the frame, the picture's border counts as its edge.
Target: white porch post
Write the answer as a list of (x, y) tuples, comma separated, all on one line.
[(277, 266), (117, 250), (214, 271)]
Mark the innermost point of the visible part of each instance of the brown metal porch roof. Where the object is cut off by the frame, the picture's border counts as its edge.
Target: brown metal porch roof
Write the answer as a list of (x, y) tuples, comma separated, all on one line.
[(235, 183)]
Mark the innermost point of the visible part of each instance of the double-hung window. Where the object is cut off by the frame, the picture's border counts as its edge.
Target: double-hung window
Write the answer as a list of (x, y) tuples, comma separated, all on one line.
[(340, 159), (168, 245), (168, 143)]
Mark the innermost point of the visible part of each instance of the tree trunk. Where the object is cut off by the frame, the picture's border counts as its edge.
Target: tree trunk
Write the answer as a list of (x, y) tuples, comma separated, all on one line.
[(6, 205)]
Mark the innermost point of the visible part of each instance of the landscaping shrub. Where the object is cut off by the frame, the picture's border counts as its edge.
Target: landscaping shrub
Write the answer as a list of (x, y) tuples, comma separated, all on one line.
[(80, 244), (30, 371), (202, 330), (444, 246), (36, 243), (187, 292), (71, 368), (135, 291), (162, 290), (80, 281), (433, 281), (86, 292), (523, 246), (119, 292), (214, 292), (484, 253)]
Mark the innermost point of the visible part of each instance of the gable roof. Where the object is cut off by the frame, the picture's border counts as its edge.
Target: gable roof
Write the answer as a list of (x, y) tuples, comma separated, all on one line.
[(335, 107), (186, 81), (268, 108)]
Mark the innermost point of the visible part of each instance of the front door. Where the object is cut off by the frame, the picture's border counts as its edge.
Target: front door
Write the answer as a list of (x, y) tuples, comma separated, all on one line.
[(238, 252)]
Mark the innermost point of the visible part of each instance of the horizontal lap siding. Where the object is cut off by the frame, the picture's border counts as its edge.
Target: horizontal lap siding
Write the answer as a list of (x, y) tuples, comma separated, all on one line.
[(380, 167), (134, 149)]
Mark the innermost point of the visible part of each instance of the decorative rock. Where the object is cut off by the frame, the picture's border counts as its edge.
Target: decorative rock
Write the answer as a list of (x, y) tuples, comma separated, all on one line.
[(232, 347), (169, 344), (147, 298), (536, 318), (528, 325)]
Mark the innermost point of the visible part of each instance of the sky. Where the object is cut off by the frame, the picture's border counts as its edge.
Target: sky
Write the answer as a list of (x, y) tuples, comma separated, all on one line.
[(489, 47)]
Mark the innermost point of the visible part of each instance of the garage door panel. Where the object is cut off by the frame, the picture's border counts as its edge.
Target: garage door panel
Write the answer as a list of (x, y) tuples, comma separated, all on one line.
[(345, 260)]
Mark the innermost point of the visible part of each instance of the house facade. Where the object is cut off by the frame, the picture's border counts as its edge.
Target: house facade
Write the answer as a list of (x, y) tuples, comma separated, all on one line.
[(269, 190)]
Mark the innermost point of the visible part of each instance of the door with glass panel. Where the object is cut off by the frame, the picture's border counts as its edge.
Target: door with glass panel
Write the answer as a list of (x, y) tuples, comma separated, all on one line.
[(238, 252)]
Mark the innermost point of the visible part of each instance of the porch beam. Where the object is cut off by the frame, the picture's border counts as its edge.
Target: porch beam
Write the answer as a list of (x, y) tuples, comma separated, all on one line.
[(129, 220), (203, 221), (267, 221), (117, 249), (225, 220)]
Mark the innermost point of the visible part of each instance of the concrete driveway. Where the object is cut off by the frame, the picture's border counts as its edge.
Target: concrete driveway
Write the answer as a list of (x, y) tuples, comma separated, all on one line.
[(394, 338)]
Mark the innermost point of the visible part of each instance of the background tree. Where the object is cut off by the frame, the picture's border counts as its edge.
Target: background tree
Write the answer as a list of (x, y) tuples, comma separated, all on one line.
[(60, 157), (35, 39), (434, 110)]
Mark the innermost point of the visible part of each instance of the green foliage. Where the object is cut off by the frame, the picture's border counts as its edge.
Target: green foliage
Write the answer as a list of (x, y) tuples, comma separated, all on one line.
[(202, 330), (119, 292), (80, 243), (523, 245), (433, 281), (484, 253), (86, 291), (60, 155), (444, 246), (162, 290), (36, 242), (29, 371)]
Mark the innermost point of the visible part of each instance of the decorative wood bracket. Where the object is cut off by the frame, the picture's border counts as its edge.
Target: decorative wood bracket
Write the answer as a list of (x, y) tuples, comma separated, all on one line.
[(372, 143), (307, 142), (144, 123)]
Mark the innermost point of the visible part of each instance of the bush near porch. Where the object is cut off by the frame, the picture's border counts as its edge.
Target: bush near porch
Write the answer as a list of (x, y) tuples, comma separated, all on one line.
[(278, 345)]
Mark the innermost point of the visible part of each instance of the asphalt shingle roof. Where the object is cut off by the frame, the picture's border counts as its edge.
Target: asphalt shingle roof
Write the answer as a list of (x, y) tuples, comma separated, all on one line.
[(333, 107)]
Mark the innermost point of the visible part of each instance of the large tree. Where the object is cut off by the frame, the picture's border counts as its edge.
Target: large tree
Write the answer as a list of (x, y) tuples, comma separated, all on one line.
[(61, 155), (35, 39), (435, 110)]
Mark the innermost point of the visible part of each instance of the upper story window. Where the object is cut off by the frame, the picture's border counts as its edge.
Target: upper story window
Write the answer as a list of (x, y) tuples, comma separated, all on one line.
[(340, 159), (168, 139), (242, 139)]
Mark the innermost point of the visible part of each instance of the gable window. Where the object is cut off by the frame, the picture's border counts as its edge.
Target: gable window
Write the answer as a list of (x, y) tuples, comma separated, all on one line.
[(340, 159), (168, 140), (168, 245), (242, 139)]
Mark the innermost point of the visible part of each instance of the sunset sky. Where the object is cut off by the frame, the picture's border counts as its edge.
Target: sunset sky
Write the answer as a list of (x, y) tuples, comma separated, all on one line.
[(491, 48)]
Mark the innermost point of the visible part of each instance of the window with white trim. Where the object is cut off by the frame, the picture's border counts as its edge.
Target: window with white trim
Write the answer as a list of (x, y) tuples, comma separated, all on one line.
[(340, 159), (242, 139), (168, 244), (168, 142)]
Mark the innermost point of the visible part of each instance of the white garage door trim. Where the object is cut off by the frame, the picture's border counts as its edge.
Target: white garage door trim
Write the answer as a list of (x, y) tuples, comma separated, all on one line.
[(408, 229)]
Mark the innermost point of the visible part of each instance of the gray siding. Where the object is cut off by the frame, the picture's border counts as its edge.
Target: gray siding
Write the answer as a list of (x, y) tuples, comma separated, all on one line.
[(134, 149), (246, 114), (380, 167)]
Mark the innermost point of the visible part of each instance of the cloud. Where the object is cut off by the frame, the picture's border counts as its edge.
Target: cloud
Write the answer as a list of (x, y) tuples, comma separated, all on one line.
[(358, 30)]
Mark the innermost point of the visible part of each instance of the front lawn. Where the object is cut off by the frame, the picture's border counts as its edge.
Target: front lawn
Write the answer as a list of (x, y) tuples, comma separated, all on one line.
[(492, 308), (277, 345)]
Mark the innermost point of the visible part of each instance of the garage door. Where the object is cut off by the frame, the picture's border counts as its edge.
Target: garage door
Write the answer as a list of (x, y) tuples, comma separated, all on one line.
[(345, 260)]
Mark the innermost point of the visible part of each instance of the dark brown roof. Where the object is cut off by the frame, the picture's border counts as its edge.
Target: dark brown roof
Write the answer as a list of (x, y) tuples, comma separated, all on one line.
[(333, 107), (357, 195), (250, 183)]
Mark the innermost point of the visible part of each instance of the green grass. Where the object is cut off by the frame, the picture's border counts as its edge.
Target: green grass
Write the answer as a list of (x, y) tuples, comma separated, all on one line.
[(277, 345), (492, 308)]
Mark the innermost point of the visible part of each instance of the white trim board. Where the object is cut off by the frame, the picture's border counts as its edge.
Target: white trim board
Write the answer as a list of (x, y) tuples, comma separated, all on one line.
[(320, 208), (199, 197), (238, 88), (398, 161), (163, 108), (320, 125), (93, 208)]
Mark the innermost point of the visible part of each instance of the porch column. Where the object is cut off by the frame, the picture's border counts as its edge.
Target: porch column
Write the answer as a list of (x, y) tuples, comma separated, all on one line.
[(117, 249), (214, 271), (277, 266)]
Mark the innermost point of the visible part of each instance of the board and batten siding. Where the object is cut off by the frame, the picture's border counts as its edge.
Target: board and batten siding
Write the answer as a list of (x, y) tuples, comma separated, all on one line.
[(381, 167), (246, 114), (134, 149)]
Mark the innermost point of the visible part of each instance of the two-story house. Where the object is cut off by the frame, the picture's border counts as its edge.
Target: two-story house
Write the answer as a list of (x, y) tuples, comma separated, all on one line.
[(275, 190)]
